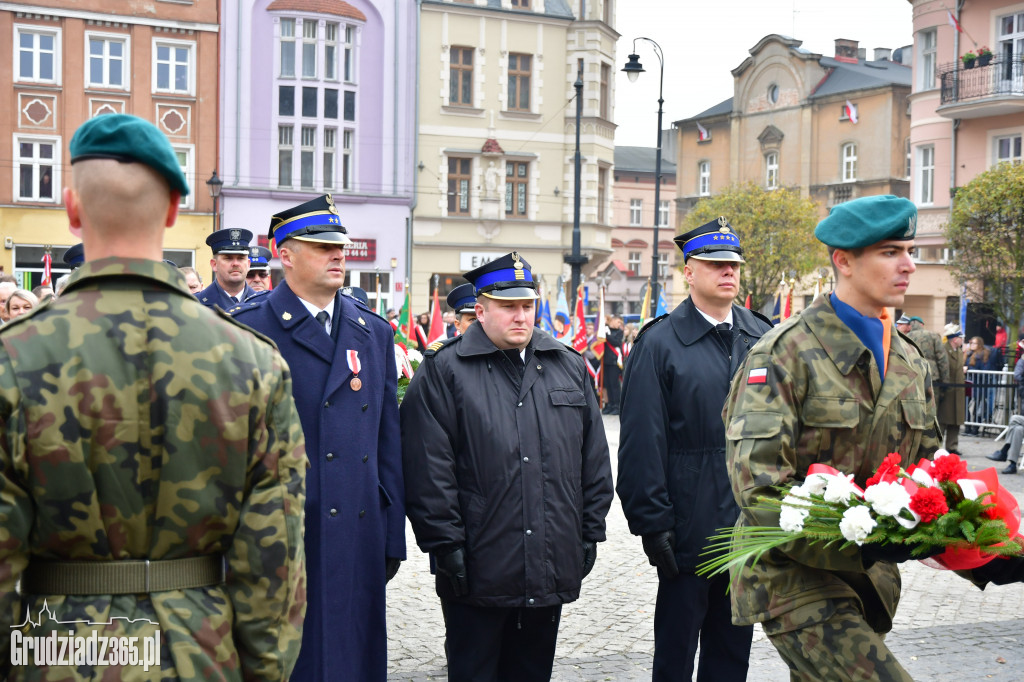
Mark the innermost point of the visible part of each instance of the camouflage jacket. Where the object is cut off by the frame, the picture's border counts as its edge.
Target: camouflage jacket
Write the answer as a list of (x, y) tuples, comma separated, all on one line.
[(136, 423), (809, 392), (933, 350)]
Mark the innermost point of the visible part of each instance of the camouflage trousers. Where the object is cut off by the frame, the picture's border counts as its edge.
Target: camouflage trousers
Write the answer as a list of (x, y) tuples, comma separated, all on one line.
[(841, 648)]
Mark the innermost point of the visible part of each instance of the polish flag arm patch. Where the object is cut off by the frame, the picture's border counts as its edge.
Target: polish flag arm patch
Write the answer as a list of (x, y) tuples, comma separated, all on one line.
[(758, 376)]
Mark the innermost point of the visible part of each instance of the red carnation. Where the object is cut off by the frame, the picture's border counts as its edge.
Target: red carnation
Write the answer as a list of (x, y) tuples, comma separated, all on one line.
[(929, 504), (949, 468), (888, 471)]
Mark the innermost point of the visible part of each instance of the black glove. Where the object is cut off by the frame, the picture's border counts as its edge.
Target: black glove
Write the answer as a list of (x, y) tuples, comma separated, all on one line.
[(453, 565), (391, 567), (589, 557), (660, 549), (894, 552), (1001, 571)]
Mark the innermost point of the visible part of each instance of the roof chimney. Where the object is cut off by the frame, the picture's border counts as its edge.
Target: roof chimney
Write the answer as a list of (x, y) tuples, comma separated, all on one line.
[(882, 54), (846, 50)]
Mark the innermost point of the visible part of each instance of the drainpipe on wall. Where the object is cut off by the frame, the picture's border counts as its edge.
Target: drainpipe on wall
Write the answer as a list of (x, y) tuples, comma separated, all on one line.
[(238, 91), (956, 121), (410, 221)]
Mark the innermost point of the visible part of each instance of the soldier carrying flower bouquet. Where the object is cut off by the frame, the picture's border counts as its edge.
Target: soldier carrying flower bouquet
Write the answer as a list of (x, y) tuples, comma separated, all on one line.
[(837, 385)]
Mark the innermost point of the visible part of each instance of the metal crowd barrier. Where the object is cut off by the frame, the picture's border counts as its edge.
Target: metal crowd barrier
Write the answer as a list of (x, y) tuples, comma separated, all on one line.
[(991, 400)]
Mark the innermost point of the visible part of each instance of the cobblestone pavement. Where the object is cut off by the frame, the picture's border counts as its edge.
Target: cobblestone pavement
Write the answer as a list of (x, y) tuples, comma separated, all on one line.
[(946, 629)]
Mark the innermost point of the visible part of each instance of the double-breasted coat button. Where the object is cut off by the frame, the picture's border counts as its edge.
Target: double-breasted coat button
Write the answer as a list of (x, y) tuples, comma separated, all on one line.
[(364, 407), (362, 513), (330, 456), (365, 458), (334, 512)]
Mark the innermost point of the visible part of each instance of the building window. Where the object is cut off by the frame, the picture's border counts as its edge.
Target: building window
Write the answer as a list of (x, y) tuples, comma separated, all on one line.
[(38, 54), (285, 100), (849, 162), (173, 66), (306, 155), (524, 4), (106, 62), (350, 105), (1010, 47), (663, 211), (460, 89), (927, 47), (346, 159), (636, 212), (459, 177), (284, 156), (662, 264), (925, 175), (606, 105), (704, 178), (330, 140), (330, 103), (36, 161), (309, 48), (350, 36), (771, 170), (516, 184), (602, 195), (1008, 149), (519, 82), (309, 100), (287, 48), (331, 52), (633, 262), (184, 156)]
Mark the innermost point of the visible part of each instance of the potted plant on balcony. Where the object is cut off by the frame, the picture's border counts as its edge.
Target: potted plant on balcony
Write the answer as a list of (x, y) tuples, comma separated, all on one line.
[(968, 59), (984, 56)]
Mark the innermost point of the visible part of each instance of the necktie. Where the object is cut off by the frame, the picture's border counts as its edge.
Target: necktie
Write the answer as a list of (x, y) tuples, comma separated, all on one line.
[(516, 359), (322, 317), (725, 333), (234, 299)]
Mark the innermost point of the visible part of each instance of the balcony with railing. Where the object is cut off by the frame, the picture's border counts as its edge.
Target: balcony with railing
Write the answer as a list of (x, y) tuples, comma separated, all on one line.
[(992, 90)]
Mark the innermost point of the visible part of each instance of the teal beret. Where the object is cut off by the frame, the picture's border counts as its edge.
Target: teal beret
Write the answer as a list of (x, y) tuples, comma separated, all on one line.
[(128, 139), (868, 220)]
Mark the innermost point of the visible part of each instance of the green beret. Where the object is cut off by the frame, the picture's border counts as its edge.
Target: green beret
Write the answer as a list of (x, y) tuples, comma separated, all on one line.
[(128, 139), (868, 220)]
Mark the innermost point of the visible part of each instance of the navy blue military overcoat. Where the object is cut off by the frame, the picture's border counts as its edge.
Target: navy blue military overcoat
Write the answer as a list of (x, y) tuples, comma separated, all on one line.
[(355, 499), (214, 295)]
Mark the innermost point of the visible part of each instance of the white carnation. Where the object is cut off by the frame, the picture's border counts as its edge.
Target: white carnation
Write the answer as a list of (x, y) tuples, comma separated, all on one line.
[(887, 498), (841, 488), (857, 523), (791, 519), (815, 484), (413, 355)]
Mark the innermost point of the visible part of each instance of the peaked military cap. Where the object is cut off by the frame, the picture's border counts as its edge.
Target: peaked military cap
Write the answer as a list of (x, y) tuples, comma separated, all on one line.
[(462, 298), (357, 293), (259, 258), (233, 240), (508, 277), (903, 319), (952, 329), (715, 240), (128, 139), (868, 220), (316, 220), (74, 256)]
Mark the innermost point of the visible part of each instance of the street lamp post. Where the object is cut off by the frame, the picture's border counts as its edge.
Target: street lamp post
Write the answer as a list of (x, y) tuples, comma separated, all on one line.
[(214, 184), (633, 69), (575, 259)]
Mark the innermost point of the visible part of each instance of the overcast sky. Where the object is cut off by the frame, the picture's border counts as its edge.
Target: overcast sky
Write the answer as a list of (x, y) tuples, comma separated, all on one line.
[(703, 41)]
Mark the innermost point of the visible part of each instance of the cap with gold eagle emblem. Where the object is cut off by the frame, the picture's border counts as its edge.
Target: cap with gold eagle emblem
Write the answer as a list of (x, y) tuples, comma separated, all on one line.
[(715, 240), (232, 240), (508, 277), (316, 220)]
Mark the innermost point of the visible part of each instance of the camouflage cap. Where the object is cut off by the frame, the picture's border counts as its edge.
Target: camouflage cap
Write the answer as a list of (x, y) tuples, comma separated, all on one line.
[(128, 139), (868, 220)]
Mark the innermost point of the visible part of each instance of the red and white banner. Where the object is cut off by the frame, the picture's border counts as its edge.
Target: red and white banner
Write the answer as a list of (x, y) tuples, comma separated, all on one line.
[(851, 111)]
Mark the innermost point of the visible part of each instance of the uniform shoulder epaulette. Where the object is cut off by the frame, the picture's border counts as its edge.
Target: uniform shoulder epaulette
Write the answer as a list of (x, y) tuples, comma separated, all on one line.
[(433, 348), (228, 315), (648, 325)]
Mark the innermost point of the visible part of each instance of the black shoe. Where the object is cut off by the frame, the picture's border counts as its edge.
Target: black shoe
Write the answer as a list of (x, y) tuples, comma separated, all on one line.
[(1000, 454), (1011, 468)]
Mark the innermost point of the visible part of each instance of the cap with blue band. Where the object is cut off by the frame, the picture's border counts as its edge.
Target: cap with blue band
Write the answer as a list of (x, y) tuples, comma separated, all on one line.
[(508, 277), (462, 298), (714, 241), (314, 221)]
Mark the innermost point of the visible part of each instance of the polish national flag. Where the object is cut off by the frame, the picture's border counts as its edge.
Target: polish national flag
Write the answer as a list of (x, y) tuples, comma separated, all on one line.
[(851, 111), (702, 132), (953, 22)]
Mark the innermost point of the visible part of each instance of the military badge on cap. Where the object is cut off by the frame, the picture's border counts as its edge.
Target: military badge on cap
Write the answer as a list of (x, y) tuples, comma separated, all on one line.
[(508, 277), (316, 220), (230, 241), (715, 240), (259, 258)]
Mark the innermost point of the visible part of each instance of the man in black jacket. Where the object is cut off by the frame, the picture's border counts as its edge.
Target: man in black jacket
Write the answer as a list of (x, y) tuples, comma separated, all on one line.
[(508, 479), (611, 364), (673, 481)]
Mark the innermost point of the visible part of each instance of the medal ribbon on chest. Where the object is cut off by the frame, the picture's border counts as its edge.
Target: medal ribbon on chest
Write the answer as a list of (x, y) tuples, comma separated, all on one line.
[(355, 366)]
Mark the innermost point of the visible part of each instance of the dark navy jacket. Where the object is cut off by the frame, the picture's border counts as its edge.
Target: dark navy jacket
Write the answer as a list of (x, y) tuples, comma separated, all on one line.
[(214, 295), (355, 499)]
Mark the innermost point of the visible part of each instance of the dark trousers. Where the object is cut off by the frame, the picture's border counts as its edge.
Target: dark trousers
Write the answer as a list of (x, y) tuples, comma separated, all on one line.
[(500, 644), (612, 375), (692, 608)]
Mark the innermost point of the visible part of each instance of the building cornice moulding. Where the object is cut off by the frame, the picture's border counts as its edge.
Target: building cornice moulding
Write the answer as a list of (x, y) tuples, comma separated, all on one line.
[(97, 16)]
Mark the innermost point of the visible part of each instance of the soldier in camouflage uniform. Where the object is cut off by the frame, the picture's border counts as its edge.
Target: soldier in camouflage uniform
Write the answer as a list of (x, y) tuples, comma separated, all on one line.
[(934, 351), (150, 439), (837, 385)]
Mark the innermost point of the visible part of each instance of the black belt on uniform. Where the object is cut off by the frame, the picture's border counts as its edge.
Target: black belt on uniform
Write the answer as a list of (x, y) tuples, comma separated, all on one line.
[(121, 577)]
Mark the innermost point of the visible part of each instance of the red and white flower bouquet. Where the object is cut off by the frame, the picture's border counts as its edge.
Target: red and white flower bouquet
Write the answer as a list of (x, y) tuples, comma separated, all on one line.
[(935, 504)]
